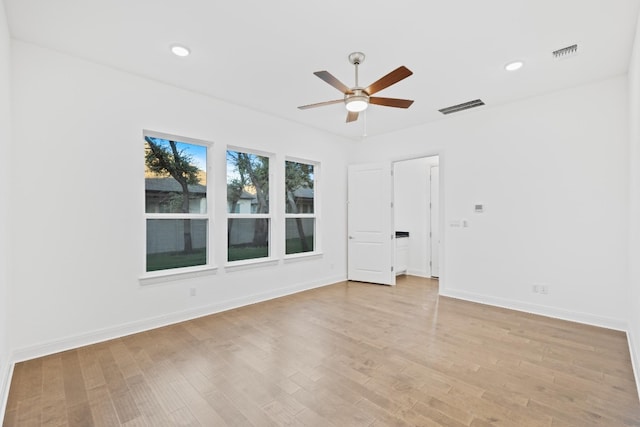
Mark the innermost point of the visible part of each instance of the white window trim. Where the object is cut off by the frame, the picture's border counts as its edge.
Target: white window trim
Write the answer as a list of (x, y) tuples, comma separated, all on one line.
[(177, 215), (161, 276), (302, 256), (244, 264)]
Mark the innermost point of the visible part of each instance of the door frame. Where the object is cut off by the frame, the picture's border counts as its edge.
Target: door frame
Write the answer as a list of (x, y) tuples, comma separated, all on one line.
[(434, 235), (441, 210)]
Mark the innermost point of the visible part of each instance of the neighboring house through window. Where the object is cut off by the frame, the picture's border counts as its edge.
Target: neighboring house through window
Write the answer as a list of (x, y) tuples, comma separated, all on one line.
[(177, 219)]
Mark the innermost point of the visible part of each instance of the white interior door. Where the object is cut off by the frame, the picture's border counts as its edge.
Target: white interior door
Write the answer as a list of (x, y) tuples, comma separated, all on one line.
[(370, 224), (434, 192)]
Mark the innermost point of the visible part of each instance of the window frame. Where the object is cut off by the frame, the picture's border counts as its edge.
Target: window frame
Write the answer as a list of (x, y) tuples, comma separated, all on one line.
[(271, 247), (316, 209), (157, 276)]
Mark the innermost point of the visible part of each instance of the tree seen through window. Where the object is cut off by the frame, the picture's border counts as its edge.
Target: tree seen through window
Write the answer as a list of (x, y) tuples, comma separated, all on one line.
[(175, 203), (249, 217)]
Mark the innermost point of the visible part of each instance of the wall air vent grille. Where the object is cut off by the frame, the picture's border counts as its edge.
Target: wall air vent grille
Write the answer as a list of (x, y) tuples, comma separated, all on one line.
[(461, 107), (566, 52)]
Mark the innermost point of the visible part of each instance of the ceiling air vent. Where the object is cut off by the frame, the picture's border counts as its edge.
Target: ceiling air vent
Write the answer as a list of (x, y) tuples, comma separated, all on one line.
[(566, 52), (461, 107)]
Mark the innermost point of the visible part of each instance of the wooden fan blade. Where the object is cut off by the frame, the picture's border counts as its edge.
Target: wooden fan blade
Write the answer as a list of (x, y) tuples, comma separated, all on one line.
[(391, 102), (328, 77), (352, 116), (320, 104), (395, 76)]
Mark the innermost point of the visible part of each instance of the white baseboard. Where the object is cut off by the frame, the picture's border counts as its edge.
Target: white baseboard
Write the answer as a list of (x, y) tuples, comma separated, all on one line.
[(419, 273), (6, 372), (635, 358), (573, 316), (119, 331)]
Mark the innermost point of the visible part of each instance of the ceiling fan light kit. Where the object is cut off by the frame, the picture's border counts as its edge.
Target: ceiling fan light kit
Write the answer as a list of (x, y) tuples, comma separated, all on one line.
[(357, 99), (357, 102)]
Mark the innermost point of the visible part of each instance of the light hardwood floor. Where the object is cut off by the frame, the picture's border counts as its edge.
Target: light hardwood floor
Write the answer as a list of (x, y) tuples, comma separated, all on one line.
[(349, 354)]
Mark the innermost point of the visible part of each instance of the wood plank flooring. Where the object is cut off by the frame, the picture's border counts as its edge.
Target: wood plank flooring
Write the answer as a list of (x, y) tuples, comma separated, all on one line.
[(349, 354)]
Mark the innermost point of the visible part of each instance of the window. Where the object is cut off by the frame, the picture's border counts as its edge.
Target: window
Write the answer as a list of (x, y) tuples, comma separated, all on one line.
[(300, 212), (177, 221), (248, 211)]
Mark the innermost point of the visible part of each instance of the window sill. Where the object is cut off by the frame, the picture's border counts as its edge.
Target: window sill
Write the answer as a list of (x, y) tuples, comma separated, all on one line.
[(304, 256), (250, 263), (164, 276)]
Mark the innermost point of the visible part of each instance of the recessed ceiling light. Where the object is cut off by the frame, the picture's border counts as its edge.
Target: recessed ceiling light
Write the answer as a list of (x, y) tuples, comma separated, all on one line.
[(180, 50), (515, 65)]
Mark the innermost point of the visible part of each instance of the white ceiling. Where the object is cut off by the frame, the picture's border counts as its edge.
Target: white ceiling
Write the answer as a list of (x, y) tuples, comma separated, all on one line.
[(262, 54)]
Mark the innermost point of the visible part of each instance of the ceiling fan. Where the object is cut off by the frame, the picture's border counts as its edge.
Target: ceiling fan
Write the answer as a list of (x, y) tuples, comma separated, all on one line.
[(357, 99)]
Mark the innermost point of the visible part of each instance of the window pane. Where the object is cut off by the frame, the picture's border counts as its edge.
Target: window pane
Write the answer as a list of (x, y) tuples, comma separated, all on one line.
[(175, 176), (300, 235), (299, 187), (248, 238), (247, 183), (175, 243)]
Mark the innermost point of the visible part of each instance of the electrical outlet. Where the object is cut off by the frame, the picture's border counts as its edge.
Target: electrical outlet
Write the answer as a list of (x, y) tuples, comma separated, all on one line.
[(538, 288), (192, 292)]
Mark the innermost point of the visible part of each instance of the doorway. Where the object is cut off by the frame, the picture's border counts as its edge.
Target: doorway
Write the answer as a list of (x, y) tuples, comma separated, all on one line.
[(416, 212)]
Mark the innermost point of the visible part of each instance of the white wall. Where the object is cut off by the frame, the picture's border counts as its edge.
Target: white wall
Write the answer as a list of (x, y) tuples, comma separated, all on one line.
[(79, 188), (411, 198), (552, 172), (5, 167), (634, 212)]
